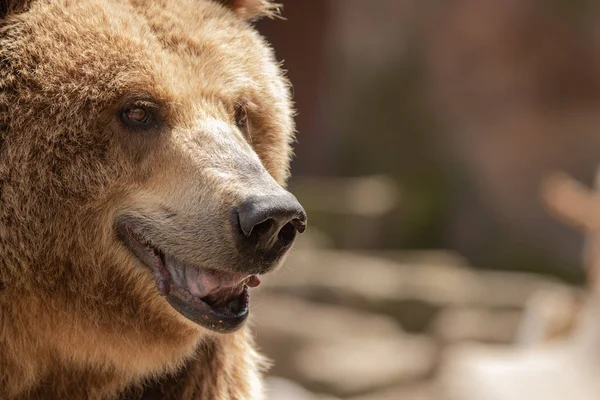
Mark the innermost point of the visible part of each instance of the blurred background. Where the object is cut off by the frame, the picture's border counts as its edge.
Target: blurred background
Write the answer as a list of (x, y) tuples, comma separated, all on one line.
[(425, 132)]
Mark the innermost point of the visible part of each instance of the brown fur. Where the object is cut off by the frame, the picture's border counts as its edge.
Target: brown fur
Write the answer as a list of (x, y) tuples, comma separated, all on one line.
[(80, 318), (253, 9)]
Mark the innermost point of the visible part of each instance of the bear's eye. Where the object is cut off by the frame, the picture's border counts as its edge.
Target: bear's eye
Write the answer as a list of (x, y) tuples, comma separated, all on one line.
[(137, 115), (241, 120), (141, 116)]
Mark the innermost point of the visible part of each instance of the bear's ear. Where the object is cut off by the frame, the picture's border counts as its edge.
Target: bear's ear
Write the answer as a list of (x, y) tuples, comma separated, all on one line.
[(251, 10), (12, 7)]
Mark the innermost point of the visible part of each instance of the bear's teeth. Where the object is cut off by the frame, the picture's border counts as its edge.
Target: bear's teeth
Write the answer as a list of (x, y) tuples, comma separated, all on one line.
[(176, 269)]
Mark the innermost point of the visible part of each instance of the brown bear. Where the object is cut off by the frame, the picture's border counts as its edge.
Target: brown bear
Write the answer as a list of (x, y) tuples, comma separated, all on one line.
[(144, 149)]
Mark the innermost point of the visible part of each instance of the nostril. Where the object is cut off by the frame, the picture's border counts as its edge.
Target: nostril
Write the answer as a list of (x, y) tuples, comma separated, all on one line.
[(262, 229), (287, 234)]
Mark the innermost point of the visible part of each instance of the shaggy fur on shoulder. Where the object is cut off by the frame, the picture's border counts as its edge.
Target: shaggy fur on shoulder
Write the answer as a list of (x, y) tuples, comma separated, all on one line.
[(169, 112)]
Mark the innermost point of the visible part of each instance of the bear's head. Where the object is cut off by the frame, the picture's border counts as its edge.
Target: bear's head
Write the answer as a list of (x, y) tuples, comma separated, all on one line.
[(144, 147)]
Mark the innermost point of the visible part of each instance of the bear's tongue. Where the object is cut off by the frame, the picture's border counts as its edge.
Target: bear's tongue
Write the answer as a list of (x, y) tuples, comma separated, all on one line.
[(215, 287)]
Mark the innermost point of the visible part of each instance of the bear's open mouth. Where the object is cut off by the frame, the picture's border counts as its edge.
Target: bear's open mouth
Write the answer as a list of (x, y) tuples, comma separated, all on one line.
[(216, 300)]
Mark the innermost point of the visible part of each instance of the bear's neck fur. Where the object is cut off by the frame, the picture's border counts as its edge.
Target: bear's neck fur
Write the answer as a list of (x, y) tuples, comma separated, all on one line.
[(221, 367)]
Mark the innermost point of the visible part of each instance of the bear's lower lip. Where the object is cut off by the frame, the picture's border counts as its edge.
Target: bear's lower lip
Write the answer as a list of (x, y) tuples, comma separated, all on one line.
[(215, 300), (202, 314)]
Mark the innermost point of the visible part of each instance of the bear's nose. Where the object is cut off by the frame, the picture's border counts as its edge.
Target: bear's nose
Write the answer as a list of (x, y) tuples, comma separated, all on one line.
[(269, 223)]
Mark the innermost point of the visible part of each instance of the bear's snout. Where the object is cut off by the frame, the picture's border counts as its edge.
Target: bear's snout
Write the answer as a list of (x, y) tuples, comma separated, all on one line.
[(266, 226)]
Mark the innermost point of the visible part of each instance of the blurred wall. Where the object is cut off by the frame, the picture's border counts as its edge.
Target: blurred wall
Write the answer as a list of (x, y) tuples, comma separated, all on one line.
[(299, 42), (466, 105)]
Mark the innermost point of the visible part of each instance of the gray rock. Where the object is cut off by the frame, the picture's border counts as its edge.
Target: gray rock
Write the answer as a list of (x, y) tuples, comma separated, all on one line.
[(357, 365), (300, 320)]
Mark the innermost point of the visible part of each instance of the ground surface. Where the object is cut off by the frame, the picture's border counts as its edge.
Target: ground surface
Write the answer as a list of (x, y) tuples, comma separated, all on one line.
[(344, 325)]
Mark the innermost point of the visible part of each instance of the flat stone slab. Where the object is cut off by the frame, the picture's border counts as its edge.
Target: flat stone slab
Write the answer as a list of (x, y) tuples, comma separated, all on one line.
[(460, 324), (380, 280)]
